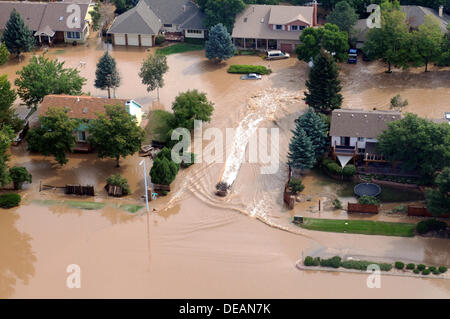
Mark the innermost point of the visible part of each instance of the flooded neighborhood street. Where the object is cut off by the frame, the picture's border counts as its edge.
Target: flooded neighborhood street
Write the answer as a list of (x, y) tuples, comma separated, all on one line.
[(194, 244)]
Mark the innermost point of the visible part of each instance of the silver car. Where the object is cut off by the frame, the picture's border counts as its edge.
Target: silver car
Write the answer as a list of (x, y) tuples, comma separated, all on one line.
[(276, 55), (251, 76)]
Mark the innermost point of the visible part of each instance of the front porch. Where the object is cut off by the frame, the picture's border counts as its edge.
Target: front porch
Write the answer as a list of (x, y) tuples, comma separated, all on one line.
[(255, 44)]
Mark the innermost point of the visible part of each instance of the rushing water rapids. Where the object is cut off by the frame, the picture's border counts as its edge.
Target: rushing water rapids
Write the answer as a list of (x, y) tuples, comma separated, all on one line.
[(195, 244)]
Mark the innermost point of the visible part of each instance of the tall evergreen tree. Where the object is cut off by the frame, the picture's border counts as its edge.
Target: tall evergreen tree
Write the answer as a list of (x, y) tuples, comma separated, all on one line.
[(323, 84), (301, 151), (17, 37), (316, 129), (219, 45), (106, 75)]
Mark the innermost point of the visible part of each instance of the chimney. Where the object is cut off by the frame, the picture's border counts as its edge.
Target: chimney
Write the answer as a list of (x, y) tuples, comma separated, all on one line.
[(314, 22), (441, 11)]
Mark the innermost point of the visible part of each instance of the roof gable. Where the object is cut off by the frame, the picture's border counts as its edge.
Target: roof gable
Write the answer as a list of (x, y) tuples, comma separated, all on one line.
[(288, 14), (140, 19), (180, 12)]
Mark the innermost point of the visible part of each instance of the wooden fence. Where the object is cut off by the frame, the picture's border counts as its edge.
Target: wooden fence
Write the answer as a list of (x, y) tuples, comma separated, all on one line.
[(362, 208), (113, 190), (160, 187), (79, 190), (421, 211)]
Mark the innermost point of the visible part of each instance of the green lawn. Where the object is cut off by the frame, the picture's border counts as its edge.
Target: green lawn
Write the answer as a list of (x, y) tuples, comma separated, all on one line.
[(158, 126), (179, 48), (366, 227), (131, 208), (85, 205)]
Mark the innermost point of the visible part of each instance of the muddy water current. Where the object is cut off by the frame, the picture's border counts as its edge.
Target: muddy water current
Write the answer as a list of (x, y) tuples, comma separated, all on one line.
[(193, 243)]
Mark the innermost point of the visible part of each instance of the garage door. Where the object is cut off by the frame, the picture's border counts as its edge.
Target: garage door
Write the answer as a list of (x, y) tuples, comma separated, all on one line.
[(133, 39), (119, 39), (146, 40), (286, 47)]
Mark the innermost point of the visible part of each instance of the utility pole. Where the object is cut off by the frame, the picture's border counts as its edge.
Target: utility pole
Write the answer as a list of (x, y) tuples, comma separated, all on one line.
[(145, 181)]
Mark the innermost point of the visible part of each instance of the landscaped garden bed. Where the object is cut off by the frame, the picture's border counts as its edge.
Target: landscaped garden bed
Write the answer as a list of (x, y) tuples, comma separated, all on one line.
[(336, 263), (246, 69)]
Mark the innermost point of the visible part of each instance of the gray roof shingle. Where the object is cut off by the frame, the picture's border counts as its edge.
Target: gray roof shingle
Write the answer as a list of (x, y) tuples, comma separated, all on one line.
[(181, 12), (359, 123)]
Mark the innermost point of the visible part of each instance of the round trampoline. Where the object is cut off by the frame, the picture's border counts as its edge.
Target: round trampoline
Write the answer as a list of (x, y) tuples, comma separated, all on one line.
[(368, 189)]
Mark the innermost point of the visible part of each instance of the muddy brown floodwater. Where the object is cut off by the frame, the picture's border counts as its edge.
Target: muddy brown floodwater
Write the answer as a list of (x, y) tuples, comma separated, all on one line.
[(195, 244)]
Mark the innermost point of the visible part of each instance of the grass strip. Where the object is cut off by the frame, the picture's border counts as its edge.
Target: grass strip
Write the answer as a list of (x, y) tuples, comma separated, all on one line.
[(179, 48)]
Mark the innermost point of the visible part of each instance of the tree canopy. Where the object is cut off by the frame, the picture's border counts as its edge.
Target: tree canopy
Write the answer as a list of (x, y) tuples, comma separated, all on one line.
[(421, 145), (219, 45), (344, 16), (115, 134), (328, 38), (189, 106), (316, 130), (6, 135), (17, 37), (43, 76), (55, 136), (106, 75), (8, 96), (152, 72), (4, 53), (19, 175), (323, 84), (438, 200), (427, 42), (301, 151), (221, 11)]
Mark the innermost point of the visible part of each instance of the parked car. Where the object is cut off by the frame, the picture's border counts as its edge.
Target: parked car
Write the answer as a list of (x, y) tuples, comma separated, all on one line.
[(276, 55), (251, 76), (352, 56)]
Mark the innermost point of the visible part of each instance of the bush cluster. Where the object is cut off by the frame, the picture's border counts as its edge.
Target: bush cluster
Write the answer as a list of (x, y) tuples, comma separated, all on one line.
[(334, 262), (428, 225), (410, 266), (363, 264), (421, 267), (310, 261), (426, 272), (245, 69), (118, 180), (442, 269), (337, 203), (159, 39), (399, 265), (164, 169), (9, 200), (368, 200), (296, 186)]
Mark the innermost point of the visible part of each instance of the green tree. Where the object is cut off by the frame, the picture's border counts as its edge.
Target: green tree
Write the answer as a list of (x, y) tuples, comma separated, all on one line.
[(427, 41), (4, 53), (96, 15), (163, 171), (152, 72), (323, 85), (116, 134), (17, 37), (55, 136), (106, 75), (6, 135), (316, 129), (438, 200), (190, 106), (219, 45), (344, 16), (222, 11), (444, 58), (43, 76), (301, 152), (397, 102), (420, 144), (8, 96), (19, 175), (296, 186), (392, 42), (328, 38)]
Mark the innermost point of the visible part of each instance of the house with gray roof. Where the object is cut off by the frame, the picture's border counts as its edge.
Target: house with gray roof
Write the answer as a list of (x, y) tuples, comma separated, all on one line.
[(355, 132), (415, 17), (176, 19), (264, 27), (51, 22)]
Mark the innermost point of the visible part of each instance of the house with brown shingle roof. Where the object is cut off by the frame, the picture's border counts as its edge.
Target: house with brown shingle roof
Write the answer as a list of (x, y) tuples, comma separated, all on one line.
[(86, 108), (52, 22), (272, 27)]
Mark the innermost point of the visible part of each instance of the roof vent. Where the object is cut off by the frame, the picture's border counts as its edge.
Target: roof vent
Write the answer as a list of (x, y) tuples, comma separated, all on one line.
[(339, 114), (353, 115), (365, 115)]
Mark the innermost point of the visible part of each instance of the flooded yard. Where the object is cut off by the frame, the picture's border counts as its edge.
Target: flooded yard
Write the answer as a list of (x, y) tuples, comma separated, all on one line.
[(195, 244)]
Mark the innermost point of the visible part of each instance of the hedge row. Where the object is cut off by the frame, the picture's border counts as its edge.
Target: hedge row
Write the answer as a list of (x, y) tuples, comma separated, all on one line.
[(245, 69), (336, 262), (425, 226)]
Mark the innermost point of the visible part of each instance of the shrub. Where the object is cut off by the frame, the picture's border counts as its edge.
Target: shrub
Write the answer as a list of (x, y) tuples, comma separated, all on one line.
[(399, 265), (436, 272), (337, 203), (309, 261), (296, 186), (333, 262), (9, 200), (368, 200), (426, 272), (19, 175), (163, 170), (428, 225), (349, 170), (334, 168), (363, 264), (442, 269), (432, 268), (416, 271), (159, 39), (118, 180), (245, 69), (400, 209), (421, 267), (410, 266)]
